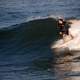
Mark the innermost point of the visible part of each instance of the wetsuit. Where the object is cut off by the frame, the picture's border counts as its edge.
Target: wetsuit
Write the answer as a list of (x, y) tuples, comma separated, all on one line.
[(61, 27)]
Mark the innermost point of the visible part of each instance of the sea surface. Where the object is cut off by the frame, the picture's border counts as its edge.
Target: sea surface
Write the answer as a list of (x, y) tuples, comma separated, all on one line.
[(27, 30)]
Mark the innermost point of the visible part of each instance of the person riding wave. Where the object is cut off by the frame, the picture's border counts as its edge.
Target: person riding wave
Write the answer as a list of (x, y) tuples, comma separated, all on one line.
[(63, 29)]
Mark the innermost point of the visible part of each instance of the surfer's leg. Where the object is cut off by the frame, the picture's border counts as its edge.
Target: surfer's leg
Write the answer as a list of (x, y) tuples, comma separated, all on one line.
[(60, 34)]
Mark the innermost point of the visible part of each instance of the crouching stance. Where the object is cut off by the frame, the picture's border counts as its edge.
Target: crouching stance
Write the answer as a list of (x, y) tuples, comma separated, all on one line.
[(64, 30)]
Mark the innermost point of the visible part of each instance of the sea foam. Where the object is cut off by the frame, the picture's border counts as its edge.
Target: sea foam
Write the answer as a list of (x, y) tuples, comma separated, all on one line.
[(72, 44)]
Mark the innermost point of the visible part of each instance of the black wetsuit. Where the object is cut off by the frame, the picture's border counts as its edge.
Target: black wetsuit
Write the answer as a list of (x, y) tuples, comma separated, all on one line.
[(63, 27)]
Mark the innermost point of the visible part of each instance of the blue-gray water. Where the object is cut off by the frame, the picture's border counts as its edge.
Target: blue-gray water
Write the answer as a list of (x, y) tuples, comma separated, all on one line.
[(25, 52)]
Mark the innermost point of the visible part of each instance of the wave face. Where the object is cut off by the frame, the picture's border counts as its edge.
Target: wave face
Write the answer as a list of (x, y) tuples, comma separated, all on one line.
[(30, 31), (26, 47)]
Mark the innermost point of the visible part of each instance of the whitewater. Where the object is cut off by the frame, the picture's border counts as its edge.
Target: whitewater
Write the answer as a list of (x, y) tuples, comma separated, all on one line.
[(72, 44)]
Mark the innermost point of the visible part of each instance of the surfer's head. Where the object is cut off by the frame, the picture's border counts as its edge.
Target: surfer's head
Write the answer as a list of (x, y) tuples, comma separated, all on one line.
[(60, 21), (60, 18)]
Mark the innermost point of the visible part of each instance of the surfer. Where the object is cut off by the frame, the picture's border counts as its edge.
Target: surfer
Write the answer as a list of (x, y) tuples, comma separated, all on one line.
[(63, 29)]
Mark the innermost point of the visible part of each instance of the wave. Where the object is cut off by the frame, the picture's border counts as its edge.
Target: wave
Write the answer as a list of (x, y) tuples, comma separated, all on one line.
[(25, 42), (31, 30)]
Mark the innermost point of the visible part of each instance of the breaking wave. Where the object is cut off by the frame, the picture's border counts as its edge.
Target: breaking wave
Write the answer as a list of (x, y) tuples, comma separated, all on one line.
[(31, 30)]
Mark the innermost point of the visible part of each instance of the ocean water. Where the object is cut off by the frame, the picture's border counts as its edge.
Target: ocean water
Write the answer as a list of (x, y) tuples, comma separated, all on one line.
[(26, 34)]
